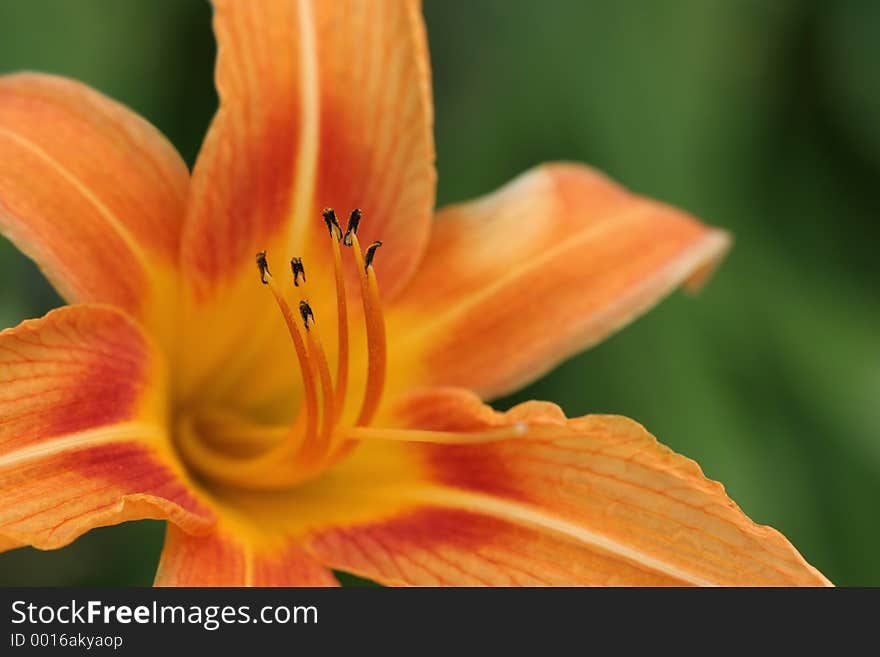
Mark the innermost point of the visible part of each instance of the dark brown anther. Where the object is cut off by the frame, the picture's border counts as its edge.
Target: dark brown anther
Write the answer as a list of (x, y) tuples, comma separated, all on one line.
[(263, 266), (296, 266), (353, 222), (305, 311), (370, 254), (332, 225)]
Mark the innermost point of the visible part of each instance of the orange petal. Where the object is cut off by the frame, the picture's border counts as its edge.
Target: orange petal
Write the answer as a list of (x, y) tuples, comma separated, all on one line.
[(92, 192), (221, 560), (588, 501), (82, 436), (321, 104), (552, 263), (376, 150)]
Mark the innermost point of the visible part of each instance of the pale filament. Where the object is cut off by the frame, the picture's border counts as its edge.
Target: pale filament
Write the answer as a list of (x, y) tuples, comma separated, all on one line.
[(335, 234), (375, 324)]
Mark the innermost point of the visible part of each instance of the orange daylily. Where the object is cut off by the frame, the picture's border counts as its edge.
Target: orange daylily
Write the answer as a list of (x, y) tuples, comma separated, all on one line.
[(288, 423)]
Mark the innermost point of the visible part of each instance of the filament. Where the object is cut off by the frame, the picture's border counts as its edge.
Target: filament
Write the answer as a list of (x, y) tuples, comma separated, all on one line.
[(376, 345)]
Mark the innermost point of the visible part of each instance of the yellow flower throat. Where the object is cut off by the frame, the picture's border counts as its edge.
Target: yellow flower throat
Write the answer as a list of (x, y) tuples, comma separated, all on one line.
[(228, 451), (314, 441)]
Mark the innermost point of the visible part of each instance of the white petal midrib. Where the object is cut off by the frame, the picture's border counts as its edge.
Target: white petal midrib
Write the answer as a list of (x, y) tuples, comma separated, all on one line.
[(114, 433), (305, 172), (523, 514)]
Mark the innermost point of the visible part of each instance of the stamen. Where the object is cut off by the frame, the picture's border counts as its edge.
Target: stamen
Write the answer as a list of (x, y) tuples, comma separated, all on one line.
[(341, 312), (354, 221), (319, 447), (375, 323), (278, 465), (307, 366), (316, 449), (296, 266)]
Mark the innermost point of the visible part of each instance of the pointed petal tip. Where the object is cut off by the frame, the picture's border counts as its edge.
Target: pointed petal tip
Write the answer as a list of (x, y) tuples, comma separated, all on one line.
[(601, 503), (595, 254), (712, 252)]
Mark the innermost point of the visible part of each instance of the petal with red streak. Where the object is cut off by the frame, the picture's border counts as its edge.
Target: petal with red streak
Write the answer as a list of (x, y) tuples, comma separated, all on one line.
[(321, 104), (92, 192), (376, 150), (516, 282), (219, 559), (588, 501), (82, 436)]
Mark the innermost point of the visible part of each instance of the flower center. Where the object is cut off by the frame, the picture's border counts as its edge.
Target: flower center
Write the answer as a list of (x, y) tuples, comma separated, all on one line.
[(269, 457), (225, 449)]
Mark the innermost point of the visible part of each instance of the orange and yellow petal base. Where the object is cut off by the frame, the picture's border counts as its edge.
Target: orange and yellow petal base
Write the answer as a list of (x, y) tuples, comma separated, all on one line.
[(522, 279), (83, 441)]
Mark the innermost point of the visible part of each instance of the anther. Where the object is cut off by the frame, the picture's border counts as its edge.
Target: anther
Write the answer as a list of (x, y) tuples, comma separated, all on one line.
[(370, 254), (332, 224), (296, 266), (305, 311), (353, 222), (263, 266)]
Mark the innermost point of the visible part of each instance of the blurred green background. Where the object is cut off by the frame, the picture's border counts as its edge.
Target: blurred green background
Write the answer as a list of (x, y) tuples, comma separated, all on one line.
[(760, 117)]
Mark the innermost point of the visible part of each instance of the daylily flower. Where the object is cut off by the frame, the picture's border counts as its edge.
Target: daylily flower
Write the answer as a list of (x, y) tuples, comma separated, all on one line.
[(327, 412)]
